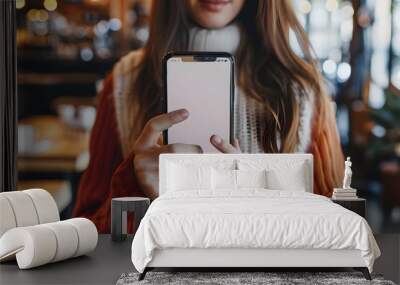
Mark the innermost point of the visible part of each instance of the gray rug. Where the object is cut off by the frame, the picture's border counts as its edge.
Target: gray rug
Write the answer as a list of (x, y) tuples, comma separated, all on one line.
[(231, 278)]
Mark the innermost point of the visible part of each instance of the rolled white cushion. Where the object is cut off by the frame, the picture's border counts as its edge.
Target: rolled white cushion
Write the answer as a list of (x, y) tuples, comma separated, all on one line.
[(40, 244), (7, 218), (67, 240), (33, 246), (45, 205), (87, 235), (23, 208)]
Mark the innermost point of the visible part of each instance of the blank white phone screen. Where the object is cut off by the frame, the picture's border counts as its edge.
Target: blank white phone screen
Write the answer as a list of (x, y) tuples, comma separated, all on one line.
[(203, 88)]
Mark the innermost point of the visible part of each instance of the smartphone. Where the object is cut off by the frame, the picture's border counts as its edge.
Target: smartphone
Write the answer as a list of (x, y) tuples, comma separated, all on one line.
[(202, 83)]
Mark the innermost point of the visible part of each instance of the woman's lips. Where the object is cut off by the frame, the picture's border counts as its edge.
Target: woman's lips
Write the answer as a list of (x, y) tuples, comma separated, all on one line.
[(214, 5)]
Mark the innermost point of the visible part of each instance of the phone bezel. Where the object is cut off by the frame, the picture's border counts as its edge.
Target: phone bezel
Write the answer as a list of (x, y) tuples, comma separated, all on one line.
[(227, 55)]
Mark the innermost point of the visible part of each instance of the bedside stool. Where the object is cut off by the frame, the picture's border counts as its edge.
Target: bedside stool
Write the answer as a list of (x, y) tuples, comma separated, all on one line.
[(119, 209), (357, 205)]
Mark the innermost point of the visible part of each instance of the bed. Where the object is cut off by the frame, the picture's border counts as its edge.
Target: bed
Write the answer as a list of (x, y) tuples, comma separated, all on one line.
[(247, 211)]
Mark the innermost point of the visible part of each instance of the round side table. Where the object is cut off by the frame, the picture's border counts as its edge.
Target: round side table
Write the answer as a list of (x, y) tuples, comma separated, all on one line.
[(119, 209)]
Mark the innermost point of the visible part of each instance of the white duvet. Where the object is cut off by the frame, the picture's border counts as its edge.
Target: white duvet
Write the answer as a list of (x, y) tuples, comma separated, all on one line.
[(253, 218)]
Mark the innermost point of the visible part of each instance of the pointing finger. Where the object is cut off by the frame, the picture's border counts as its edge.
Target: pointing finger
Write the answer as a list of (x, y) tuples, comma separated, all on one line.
[(151, 131)]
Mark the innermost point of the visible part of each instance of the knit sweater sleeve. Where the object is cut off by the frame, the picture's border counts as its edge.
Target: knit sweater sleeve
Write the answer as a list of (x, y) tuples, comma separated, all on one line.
[(108, 174)]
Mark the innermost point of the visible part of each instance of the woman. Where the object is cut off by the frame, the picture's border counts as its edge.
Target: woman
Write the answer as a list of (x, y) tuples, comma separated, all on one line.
[(280, 103)]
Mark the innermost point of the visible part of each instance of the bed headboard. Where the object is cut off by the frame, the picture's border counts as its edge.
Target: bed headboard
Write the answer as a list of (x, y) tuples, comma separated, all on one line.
[(212, 159)]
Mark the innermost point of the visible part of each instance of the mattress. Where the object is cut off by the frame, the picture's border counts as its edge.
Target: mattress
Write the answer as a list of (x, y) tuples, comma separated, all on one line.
[(251, 219)]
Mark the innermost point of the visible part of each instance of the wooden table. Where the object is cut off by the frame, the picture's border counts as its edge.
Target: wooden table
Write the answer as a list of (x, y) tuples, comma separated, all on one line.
[(56, 151), (67, 149)]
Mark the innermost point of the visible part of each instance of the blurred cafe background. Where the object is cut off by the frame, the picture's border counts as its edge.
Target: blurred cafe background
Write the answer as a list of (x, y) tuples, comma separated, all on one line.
[(66, 48)]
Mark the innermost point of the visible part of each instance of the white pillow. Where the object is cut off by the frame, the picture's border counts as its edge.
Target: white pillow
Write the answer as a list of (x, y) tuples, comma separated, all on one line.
[(283, 174), (251, 178), (223, 179), (236, 179), (293, 180), (181, 177)]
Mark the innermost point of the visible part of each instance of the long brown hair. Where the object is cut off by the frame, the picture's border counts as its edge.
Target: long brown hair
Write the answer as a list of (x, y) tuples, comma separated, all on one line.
[(269, 70)]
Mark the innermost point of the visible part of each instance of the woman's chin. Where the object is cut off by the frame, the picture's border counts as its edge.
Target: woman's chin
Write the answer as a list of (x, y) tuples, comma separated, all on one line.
[(212, 22)]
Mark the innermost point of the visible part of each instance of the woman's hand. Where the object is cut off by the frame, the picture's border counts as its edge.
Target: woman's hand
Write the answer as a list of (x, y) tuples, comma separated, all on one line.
[(147, 149), (224, 146)]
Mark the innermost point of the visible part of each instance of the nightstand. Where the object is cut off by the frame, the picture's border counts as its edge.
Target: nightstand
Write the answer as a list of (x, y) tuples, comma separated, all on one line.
[(357, 205), (119, 209)]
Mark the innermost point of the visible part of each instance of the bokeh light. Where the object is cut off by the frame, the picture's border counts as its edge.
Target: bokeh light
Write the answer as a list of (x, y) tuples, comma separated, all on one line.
[(19, 4), (86, 54), (50, 5), (305, 7), (343, 72), (329, 68), (331, 5)]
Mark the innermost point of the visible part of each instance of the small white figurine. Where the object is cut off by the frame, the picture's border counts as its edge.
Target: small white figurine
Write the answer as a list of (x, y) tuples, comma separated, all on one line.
[(347, 174)]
